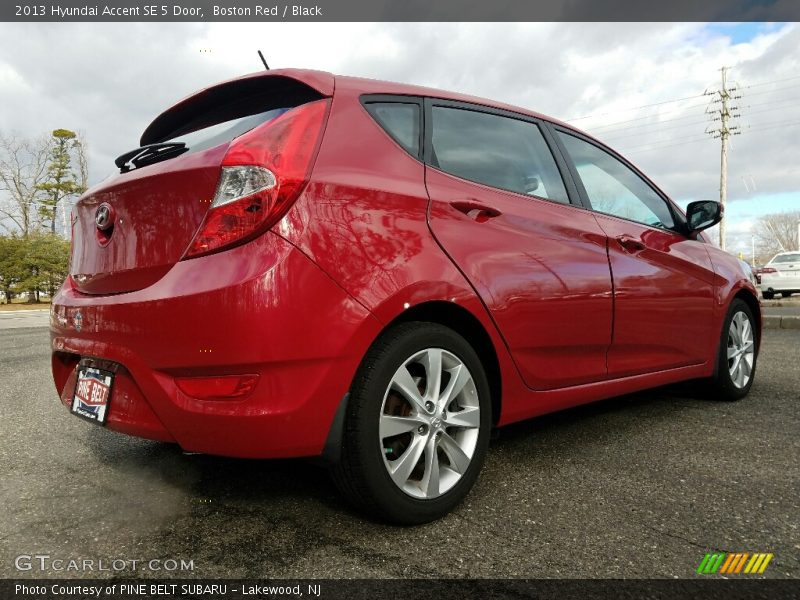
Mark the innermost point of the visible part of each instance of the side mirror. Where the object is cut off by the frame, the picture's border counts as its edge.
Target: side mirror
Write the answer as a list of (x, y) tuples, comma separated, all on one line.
[(703, 214)]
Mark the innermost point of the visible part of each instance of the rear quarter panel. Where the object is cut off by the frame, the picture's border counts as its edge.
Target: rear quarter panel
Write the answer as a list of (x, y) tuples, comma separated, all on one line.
[(363, 220)]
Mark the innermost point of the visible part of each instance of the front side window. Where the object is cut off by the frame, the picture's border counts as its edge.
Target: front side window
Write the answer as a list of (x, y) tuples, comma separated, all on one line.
[(500, 152), (615, 189)]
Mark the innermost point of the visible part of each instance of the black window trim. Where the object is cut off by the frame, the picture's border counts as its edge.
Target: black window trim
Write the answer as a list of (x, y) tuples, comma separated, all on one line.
[(573, 194), (678, 218), (366, 99)]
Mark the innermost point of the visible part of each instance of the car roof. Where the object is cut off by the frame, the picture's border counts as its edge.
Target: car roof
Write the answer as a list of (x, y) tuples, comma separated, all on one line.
[(377, 86), (325, 83)]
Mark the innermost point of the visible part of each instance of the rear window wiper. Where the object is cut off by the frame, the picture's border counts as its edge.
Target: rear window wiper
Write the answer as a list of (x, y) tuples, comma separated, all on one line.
[(149, 154)]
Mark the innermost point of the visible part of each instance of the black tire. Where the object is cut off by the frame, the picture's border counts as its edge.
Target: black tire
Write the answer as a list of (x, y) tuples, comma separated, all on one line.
[(768, 295), (786, 294), (361, 474), (721, 385)]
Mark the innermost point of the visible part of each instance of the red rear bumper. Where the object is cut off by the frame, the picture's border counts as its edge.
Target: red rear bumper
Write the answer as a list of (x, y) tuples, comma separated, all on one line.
[(261, 308)]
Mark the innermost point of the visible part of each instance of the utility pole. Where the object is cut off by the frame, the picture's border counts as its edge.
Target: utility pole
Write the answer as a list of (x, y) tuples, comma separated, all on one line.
[(725, 113)]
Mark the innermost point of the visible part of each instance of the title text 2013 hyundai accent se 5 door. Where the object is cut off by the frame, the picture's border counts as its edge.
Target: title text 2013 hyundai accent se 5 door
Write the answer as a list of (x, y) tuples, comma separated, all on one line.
[(296, 264)]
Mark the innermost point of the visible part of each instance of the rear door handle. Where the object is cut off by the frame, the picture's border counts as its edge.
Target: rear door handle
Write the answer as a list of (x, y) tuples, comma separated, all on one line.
[(475, 210), (630, 243)]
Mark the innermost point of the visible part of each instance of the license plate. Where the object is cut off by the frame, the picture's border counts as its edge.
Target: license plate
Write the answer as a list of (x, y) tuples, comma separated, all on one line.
[(92, 394)]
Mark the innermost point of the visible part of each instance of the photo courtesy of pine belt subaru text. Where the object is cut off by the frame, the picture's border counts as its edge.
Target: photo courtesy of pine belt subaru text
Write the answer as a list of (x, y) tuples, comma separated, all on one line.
[(297, 264)]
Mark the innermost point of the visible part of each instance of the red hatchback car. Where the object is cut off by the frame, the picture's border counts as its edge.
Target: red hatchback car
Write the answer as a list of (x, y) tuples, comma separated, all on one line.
[(296, 264)]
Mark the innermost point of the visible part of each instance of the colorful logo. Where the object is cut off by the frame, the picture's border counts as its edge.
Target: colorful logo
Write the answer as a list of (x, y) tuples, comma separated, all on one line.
[(733, 563)]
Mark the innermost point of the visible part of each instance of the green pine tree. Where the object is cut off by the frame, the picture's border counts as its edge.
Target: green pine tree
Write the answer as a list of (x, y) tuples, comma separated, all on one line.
[(12, 265), (62, 181), (44, 264)]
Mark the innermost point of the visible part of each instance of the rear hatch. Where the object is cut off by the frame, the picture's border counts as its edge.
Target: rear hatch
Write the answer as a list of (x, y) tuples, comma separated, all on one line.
[(132, 228)]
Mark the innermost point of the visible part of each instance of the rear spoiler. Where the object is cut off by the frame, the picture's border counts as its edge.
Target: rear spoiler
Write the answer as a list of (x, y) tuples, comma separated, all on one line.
[(236, 98)]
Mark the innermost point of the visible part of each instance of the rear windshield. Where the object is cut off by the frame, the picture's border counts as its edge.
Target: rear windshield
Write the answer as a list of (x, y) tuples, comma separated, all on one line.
[(226, 103), (215, 116), (786, 258), (225, 132)]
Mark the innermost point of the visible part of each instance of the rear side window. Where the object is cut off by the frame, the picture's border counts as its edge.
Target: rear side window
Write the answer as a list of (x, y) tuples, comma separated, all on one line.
[(501, 152), (400, 120)]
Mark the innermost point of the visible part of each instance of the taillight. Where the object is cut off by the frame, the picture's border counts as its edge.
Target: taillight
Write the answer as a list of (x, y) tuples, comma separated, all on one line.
[(768, 270), (263, 173)]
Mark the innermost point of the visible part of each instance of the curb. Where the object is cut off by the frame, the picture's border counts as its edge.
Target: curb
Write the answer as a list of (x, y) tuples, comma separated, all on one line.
[(780, 303), (781, 322)]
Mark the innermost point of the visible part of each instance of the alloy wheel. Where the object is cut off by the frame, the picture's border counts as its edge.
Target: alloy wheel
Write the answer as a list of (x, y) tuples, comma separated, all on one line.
[(741, 349), (429, 423)]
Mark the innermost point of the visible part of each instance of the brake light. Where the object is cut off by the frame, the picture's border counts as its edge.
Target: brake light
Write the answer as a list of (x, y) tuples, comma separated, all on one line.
[(263, 173), (767, 270)]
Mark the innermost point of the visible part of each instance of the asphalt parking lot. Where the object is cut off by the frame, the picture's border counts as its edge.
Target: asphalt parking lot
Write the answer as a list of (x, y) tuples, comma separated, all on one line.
[(640, 486)]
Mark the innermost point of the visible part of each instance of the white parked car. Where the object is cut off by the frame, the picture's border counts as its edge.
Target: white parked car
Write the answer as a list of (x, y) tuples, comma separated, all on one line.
[(781, 275)]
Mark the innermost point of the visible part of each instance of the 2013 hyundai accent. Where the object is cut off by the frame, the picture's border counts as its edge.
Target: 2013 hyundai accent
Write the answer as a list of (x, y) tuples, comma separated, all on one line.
[(297, 264)]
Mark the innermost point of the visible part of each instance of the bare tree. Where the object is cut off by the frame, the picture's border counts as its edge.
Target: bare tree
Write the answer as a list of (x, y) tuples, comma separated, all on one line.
[(82, 158), (82, 175), (23, 168), (777, 232)]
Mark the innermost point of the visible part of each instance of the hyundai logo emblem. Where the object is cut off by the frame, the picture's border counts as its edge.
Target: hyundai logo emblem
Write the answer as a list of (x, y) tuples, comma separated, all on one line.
[(104, 217)]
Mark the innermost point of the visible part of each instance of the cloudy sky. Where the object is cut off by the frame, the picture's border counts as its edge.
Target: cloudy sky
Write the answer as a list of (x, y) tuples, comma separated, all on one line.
[(637, 86)]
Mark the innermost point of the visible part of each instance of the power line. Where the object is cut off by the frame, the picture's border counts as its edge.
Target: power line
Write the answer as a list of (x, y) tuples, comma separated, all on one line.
[(777, 126), (666, 112), (788, 87), (760, 126), (648, 148), (763, 110), (721, 109), (621, 137), (759, 84), (791, 101), (692, 140), (782, 104), (685, 138), (752, 85), (613, 112)]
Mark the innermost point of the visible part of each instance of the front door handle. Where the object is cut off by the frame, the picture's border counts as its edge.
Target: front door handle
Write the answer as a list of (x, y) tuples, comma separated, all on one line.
[(475, 210), (630, 243)]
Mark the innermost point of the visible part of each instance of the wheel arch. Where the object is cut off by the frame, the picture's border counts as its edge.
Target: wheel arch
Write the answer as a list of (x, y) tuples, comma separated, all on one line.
[(445, 313), (752, 302), (463, 322), (748, 297)]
